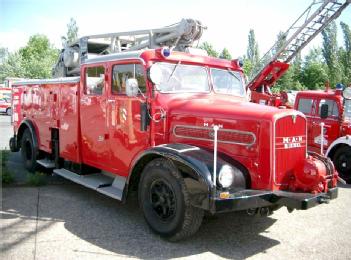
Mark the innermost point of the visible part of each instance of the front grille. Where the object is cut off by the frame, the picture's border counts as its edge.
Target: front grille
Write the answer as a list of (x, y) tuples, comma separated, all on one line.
[(290, 146), (207, 134)]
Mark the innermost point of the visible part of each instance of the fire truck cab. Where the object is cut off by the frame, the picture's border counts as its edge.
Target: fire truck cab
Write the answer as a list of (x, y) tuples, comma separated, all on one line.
[(332, 108)]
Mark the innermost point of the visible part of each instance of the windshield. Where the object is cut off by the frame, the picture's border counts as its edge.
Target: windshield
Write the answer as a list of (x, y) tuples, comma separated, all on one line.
[(182, 78), (227, 82), (347, 110)]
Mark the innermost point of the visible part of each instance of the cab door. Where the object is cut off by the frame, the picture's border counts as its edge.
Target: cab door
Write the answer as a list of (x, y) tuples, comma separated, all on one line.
[(331, 127), (94, 132), (124, 116), (307, 106)]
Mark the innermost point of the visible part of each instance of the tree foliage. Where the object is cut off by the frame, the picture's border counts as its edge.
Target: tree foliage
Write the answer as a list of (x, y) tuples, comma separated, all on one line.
[(208, 47), (330, 53), (35, 60), (252, 49), (225, 54), (345, 54), (72, 33)]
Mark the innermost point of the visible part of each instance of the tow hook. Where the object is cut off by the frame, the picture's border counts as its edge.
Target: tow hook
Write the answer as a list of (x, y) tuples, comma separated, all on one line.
[(324, 199)]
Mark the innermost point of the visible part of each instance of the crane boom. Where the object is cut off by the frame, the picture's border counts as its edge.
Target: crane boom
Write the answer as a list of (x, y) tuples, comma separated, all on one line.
[(311, 22), (179, 36)]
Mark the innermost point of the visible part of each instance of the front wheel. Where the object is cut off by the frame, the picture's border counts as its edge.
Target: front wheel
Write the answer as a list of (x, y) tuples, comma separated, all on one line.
[(165, 203), (342, 162)]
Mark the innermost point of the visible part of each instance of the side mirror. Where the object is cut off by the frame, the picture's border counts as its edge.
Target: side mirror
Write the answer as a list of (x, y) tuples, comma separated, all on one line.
[(132, 87), (347, 93), (324, 111)]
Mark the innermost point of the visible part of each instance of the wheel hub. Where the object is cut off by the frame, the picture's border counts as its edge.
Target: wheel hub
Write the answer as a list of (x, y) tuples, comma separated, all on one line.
[(162, 199)]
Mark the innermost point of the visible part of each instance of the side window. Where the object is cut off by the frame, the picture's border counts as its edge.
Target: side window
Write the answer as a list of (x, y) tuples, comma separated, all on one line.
[(333, 110), (94, 80), (305, 106), (120, 73)]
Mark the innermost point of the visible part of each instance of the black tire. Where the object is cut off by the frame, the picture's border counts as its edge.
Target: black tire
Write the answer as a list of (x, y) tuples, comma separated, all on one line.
[(9, 111), (342, 163), (165, 202), (28, 151)]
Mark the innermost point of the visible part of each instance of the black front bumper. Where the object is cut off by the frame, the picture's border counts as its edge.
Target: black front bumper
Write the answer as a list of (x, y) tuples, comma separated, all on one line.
[(248, 199)]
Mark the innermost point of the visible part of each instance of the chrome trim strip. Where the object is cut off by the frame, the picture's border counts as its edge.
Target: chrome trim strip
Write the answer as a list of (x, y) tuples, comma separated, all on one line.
[(273, 150), (47, 81), (220, 130)]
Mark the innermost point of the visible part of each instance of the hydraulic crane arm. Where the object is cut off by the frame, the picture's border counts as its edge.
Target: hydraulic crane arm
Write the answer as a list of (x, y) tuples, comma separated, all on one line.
[(311, 22), (180, 36)]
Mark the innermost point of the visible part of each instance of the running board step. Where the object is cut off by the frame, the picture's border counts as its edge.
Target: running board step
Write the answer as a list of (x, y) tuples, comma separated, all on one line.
[(109, 186), (46, 163)]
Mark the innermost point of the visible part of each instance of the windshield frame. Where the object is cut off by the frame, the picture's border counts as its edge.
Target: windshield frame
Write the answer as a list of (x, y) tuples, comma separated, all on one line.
[(234, 72), (209, 78), (176, 67)]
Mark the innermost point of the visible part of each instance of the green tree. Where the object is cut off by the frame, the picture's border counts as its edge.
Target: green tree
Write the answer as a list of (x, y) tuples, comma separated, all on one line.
[(38, 57), (225, 54), (72, 33), (35, 60), (252, 48), (330, 53), (3, 54), (209, 49), (12, 66), (314, 75), (345, 54)]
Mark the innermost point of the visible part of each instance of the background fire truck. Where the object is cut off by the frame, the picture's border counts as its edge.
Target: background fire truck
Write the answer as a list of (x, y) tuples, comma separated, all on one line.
[(170, 123), (5, 100), (329, 124), (327, 107)]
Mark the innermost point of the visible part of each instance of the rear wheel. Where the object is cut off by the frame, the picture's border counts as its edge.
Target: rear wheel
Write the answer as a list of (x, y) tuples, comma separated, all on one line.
[(165, 202), (342, 162), (28, 151)]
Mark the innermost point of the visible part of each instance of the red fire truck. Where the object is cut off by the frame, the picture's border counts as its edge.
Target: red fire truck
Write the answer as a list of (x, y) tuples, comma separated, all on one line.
[(172, 125), (328, 116), (275, 63)]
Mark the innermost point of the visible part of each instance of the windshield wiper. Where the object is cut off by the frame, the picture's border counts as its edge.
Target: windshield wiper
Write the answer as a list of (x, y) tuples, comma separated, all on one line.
[(233, 74), (175, 67)]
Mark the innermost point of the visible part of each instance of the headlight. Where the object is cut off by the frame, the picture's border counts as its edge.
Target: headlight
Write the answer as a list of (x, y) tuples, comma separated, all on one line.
[(226, 176)]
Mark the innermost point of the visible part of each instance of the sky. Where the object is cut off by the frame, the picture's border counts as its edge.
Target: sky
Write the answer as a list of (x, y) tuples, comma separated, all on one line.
[(228, 22)]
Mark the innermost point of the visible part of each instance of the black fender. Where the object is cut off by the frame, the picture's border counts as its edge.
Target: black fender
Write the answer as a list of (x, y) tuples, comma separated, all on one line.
[(197, 173), (28, 124)]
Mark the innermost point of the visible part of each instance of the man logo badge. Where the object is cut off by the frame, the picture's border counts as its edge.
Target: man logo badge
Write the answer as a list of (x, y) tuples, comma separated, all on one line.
[(294, 116)]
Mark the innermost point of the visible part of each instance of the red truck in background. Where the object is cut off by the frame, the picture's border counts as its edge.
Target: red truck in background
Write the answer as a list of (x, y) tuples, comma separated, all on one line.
[(5, 100), (328, 116), (5, 105), (174, 126)]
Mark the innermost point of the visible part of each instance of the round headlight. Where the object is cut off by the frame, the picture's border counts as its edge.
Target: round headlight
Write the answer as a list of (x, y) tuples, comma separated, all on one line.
[(226, 176)]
